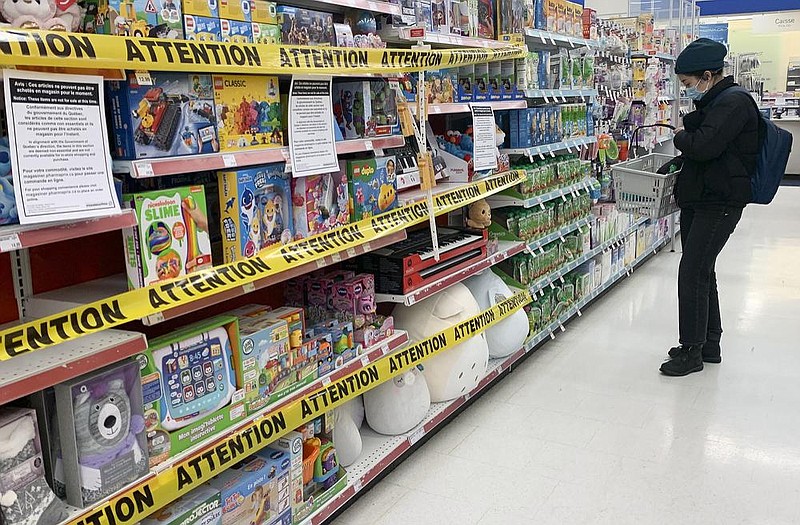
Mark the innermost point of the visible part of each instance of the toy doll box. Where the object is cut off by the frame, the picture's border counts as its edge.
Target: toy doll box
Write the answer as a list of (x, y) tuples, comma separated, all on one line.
[(373, 186), (140, 18), (172, 116), (101, 427), (348, 107), (380, 110), (167, 241), (256, 490), (201, 506), (189, 387), (248, 111), (256, 210), (319, 203), (306, 27)]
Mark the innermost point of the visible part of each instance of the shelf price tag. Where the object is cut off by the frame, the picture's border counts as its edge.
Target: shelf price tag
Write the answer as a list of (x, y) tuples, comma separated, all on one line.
[(416, 436), (143, 78), (364, 361), (145, 170), (351, 252), (358, 485), (229, 160), (10, 242), (578, 311), (249, 287)]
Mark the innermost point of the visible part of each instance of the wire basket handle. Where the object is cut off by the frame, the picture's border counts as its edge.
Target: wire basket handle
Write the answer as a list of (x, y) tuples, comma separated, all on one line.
[(634, 135)]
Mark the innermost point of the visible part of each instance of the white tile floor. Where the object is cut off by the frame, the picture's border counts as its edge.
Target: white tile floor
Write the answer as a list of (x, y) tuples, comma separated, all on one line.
[(587, 431)]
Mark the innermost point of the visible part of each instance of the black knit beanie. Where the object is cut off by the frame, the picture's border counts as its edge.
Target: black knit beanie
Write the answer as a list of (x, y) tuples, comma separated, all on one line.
[(701, 55)]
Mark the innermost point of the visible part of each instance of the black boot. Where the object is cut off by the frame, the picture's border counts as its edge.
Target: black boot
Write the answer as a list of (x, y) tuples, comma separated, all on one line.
[(687, 359), (711, 352)]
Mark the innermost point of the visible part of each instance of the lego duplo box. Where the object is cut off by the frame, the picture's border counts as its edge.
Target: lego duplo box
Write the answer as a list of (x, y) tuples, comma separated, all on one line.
[(170, 116), (188, 384), (373, 186), (202, 28), (201, 506), (170, 238), (140, 18), (256, 210), (248, 112)]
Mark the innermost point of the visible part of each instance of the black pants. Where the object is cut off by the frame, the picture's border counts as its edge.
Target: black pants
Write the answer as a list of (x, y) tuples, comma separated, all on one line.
[(704, 232)]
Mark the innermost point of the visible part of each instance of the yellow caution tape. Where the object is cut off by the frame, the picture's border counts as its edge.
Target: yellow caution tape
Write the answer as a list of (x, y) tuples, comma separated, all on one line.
[(158, 490), (136, 304), (48, 48)]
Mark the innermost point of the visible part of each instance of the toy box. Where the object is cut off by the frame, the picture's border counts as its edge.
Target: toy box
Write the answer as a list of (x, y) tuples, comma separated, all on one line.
[(508, 87), (170, 238), (439, 16), (173, 116), (256, 490), (373, 186), (140, 18), (204, 8), (439, 87), (380, 110), (239, 10), (249, 112), (256, 210), (266, 33), (292, 444), (319, 203), (306, 27), (495, 81), (480, 88), (263, 12), (236, 31), (101, 427), (201, 506), (22, 471), (202, 28), (466, 77), (348, 108), (486, 18), (188, 381)]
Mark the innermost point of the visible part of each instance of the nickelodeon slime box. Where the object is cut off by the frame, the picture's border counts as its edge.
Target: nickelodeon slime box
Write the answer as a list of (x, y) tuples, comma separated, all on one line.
[(170, 238)]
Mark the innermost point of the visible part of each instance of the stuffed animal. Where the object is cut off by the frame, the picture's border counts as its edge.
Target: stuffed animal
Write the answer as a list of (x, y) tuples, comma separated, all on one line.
[(346, 435), (41, 14), (106, 431), (396, 406), (479, 215), (455, 371), (507, 336), (28, 500)]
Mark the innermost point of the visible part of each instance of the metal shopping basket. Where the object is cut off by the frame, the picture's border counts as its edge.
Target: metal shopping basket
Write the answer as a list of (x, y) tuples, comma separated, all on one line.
[(640, 190)]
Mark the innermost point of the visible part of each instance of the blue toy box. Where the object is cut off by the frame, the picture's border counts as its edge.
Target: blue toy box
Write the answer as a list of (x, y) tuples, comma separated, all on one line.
[(203, 28), (174, 116), (256, 210), (236, 31), (201, 506), (256, 491)]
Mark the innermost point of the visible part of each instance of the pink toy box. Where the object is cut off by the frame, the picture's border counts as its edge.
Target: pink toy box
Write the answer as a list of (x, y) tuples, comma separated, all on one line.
[(319, 203)]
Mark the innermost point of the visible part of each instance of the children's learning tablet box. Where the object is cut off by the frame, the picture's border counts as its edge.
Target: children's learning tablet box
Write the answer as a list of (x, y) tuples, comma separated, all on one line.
[(256, 210), (248, 112), (188, 385), (170, 238)]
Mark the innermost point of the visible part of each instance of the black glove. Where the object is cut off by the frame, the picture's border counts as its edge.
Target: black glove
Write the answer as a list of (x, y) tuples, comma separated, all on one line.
[(671, 167)]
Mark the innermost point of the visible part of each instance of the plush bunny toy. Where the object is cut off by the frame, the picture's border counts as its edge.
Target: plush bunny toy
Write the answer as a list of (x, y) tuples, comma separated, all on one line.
[(55, 15)]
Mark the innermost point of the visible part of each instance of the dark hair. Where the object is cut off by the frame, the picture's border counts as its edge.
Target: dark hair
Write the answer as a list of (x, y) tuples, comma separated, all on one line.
[(699, 74)]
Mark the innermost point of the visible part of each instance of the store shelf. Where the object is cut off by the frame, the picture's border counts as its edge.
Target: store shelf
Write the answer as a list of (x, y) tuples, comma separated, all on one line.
[(559, 234), (34, 371), (541, 39), (405, 35), (19, 237), (651, 54), (159, 167), (550, 149), (615, 93), (370, 355), (368, 5), (559, 93), (441, 109), (382, 453), (618, 59), (501, 200), (505, 250)]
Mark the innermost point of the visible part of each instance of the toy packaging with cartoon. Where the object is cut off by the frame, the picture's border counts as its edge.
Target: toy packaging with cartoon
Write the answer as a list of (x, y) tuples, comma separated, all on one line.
[(202, 28), (319, 202), (201, 506), (236, 31), (187, 377), (256, 210), (170, 238), (25, 496), (348, 107), (8, 204), (380, 110), (248, 112), (306, 27), (102, 433), (173, 116), (140, 18), (373, 186)]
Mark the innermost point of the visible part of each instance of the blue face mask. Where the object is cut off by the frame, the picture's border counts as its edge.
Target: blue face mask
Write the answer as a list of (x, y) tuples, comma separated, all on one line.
[(694, 93)]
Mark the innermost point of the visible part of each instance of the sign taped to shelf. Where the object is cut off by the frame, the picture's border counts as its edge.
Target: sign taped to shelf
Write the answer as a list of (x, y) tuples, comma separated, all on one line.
[(155, 492), (49, 48), (136, 304)]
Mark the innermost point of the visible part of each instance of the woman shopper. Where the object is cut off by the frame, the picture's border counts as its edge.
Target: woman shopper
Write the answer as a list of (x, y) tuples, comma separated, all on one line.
[(719, 147)]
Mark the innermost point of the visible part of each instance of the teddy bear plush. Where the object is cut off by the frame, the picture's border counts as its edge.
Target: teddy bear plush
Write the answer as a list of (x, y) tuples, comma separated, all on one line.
[(54, 15), (479, 215)]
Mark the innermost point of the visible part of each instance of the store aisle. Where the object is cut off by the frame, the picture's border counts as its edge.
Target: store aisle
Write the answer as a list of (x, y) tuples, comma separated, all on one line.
[(587, 431)]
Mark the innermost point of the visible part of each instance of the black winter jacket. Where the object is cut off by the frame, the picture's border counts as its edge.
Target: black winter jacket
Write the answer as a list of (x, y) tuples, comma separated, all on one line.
[(719, 146)]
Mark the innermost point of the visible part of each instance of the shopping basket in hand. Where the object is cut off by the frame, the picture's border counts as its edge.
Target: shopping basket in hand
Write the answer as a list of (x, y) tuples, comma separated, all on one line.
[(640, 189)]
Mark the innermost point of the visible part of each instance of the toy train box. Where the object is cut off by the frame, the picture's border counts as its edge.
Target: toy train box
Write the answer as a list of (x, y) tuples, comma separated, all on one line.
[(201, 506), (319, 203), (139, 18), (256, 490), (306, 27), (236, 31), (202, 28), (189, 387), (170, 238), (170, 116), (249, 112), (373, 186), (256, 210)]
